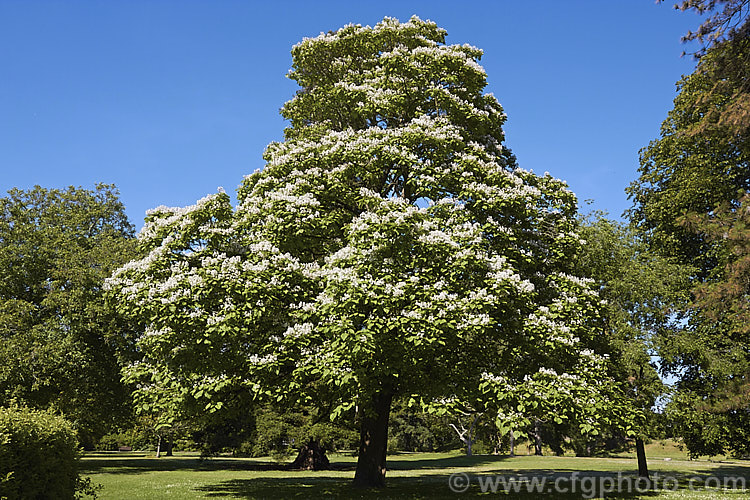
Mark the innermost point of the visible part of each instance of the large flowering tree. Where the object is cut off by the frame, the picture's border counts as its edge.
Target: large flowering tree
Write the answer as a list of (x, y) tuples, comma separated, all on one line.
[(390, 247)]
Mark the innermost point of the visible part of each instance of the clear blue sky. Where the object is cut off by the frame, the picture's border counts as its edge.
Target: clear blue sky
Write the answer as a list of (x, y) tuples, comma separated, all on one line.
[(171, 99)]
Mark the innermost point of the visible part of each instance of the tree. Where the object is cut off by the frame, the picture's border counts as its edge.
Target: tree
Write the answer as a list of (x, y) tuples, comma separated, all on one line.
[(712, 411), (646, 295), (726, 299), (701, 158), (60, 343), (390, 248), (721, 25), (411, 429), (689, 169), (697, 170)]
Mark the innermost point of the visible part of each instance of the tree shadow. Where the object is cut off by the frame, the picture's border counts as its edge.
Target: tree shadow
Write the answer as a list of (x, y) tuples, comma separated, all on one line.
[(518, 483), (430, 478), (140, 464), (394, 463), (136, 463), (729, 476), (428, 487)]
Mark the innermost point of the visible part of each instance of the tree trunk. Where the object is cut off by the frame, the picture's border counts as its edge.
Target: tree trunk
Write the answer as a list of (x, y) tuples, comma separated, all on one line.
[(640, 452), (170, 444), (537, 439), (466, 435), (373, 436), (158, 446), (512, 444), (311, 457)]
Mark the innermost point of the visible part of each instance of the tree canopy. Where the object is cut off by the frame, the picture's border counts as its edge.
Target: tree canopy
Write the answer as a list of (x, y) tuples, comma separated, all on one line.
[(390, 247), (690, 204), (60, 342), (690, 169)]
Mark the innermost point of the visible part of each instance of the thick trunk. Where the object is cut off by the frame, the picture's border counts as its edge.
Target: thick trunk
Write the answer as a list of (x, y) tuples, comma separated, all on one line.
[(311, 457), (640, 452), (537, 438), (170, 444), (373, 435)]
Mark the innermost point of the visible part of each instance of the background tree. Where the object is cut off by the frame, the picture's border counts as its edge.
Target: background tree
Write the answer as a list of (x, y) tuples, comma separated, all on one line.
[(646, 295), (695, 173), (701, 158), (712, 412), (686, 171), (723, 60), (411, 429), (60, 343), (725, 21), (390, 248)]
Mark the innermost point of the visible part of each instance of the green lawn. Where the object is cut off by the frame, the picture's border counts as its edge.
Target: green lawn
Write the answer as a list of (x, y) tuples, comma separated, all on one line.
[(417, 475)]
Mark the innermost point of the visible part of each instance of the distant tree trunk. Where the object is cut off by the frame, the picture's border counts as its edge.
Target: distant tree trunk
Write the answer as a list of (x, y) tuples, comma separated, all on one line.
[(373, 442), (311, 457), (537, 438), (158, 446), (512, 444), (466, 435), (170, 444), (640, 452)]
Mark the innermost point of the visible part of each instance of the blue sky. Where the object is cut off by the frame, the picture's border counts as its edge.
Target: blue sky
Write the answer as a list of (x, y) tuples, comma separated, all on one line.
[(171, 99)]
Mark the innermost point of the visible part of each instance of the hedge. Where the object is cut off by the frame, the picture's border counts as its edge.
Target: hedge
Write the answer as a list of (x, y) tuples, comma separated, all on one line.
[(38, 456)]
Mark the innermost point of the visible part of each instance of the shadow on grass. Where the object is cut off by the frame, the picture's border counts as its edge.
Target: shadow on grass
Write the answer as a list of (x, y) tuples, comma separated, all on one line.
[(529, 484), (139, 463), (396, 463), (430, 478), (430, 487)]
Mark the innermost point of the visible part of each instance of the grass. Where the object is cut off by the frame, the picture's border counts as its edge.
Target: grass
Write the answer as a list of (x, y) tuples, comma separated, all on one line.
[(411, 475)]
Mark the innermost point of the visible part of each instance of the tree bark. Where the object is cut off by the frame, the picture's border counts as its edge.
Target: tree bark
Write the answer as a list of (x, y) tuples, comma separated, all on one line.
[(537, 438), (170, 444), (512, 443), (373, 445), (640, 452), (311, 457)]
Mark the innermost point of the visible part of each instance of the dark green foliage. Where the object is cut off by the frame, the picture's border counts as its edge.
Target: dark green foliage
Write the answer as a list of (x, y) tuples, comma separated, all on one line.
[(646, 295), (227, 429), (702, 157), (38, 456), (684, 172), (706, 429), (688, 206), (140, 437), (411, 429), (281, 434), (59, 343)]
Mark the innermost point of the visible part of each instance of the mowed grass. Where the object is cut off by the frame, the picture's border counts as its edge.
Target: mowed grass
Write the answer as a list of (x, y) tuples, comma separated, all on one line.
[(416, 475)]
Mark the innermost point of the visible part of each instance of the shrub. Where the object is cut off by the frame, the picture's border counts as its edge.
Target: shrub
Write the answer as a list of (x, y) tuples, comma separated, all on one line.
[(135, 437), (38, 456)]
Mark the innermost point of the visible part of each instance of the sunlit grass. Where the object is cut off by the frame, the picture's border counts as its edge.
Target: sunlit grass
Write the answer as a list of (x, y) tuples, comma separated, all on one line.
[(410, 475)]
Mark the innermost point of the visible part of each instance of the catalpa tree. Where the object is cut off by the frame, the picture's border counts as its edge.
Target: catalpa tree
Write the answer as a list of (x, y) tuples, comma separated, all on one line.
[(391, 247)]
